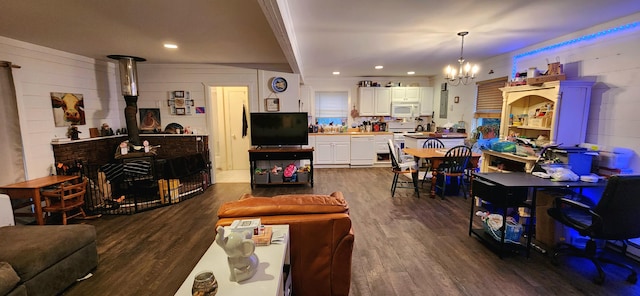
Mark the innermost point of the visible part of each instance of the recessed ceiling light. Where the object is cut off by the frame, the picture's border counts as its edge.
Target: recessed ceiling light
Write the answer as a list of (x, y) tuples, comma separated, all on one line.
[(411, 73), (169, 45), (336, 73), (379, 67)]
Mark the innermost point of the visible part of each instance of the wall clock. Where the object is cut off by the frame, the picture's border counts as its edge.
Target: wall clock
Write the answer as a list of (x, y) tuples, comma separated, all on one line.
[(278, 84)]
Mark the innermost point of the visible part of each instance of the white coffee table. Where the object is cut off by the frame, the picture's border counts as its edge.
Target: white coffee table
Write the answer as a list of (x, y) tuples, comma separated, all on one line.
[(268, 280)]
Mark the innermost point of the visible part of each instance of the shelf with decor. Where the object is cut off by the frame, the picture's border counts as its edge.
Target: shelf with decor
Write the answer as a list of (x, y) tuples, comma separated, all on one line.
[(556, 111)]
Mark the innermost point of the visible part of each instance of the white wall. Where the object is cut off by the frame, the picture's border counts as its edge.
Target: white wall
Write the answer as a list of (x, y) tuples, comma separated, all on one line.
[(44, 70)]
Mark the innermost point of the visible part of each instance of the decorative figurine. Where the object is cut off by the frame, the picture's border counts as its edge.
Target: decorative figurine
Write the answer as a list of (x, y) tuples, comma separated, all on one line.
[(239, 246), (73, 132)]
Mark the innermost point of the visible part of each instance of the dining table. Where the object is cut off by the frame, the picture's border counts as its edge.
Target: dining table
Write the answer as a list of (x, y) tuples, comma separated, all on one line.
[(29, 192), (436, 156)]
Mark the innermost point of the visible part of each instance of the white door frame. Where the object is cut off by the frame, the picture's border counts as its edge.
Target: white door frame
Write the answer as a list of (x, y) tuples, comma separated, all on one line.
[(211, 110)]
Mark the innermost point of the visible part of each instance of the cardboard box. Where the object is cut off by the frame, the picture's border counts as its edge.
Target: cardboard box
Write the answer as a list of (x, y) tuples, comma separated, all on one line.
[(264, 238), (542, 79), (169, 189)]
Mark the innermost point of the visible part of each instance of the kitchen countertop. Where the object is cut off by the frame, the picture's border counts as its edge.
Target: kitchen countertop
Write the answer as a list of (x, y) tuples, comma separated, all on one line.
[(351, 134), (426, 135)]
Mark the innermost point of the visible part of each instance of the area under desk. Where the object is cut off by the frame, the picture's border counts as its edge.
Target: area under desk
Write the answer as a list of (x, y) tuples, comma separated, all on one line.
[(510, 182)]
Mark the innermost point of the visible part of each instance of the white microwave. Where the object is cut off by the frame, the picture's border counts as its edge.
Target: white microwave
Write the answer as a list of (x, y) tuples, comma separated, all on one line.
[(404, 110)]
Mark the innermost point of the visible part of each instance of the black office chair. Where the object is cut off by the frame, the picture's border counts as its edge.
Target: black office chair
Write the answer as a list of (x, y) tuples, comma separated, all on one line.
[(615, 217), (400, 168), (453, 166), (430, 143)]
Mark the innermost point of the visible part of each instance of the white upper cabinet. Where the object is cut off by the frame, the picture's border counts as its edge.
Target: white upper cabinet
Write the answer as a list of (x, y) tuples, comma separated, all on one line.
[(426, 101), (405, 94), (374, 101)]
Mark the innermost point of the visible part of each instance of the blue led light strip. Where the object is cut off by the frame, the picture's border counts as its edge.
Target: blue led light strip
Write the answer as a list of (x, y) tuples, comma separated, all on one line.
[(596, 35)]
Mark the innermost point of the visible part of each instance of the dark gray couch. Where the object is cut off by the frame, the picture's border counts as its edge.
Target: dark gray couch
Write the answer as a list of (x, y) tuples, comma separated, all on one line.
[(45, 260)]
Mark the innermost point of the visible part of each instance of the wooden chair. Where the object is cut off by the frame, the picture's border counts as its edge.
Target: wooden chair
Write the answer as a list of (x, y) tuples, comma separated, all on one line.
[(430, 143), (453, 166), (402, 167), (66, 199)]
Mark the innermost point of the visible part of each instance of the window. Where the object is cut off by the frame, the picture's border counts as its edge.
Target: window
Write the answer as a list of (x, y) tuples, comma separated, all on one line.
[(489, 108), (489, 101), (332, 107)]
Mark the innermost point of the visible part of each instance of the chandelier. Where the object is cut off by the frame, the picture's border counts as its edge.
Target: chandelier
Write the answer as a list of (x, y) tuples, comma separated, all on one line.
[(464, 72)]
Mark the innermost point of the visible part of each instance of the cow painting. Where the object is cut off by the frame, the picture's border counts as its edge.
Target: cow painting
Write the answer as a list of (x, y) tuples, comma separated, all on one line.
[(68, 109)]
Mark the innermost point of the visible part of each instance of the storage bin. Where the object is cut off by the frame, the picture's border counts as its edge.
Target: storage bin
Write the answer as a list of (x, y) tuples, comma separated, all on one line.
[(275, 178), (512, 235), (261, 178), (169, 189), (303, 176)]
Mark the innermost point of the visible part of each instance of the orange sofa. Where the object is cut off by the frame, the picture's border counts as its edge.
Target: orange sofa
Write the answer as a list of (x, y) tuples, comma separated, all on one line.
[(321, 236)]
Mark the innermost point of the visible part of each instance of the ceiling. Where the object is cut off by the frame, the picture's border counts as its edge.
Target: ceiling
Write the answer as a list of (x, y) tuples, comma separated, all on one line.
[(311, 37)]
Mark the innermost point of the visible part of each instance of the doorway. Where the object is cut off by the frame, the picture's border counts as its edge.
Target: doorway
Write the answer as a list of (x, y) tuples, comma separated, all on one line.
[(231, 146)]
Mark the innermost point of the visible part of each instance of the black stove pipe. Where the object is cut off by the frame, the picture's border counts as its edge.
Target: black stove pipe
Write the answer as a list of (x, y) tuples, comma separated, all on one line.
[(129, 83)]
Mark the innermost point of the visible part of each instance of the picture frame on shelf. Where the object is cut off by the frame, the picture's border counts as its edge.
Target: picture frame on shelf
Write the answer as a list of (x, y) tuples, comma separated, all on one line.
[(272, 104)]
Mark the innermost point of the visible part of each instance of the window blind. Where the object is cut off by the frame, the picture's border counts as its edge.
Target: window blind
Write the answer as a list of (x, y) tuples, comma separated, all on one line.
[(489, 101), (332, 104)]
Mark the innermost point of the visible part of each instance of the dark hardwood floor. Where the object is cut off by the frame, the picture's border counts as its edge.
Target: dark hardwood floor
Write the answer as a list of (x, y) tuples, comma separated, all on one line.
[(403, 246)]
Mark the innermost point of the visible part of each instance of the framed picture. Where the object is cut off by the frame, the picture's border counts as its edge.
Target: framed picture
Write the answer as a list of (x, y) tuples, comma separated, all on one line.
[(456, 99), (68, 109), (272, 104), (150, 119), (179, 102)]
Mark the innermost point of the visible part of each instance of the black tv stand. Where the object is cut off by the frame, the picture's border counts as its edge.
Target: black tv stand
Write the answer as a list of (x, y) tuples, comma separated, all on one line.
[(281, 153)]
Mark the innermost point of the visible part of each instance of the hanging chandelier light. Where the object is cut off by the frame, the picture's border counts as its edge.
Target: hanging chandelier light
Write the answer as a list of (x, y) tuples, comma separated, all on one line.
[(465, 73)]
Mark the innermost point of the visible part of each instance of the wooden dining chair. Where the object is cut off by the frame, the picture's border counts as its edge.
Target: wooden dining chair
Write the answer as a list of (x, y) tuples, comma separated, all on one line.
[(399, 167), (453, 166), (66, 199), (430, 143)]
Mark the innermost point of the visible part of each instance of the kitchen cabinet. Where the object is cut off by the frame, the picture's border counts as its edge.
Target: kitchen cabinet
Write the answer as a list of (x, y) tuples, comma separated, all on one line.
[(426, 101), (362, 150), (565, 105), (333, 150), (382, 155), (374, 101), (405, 94)]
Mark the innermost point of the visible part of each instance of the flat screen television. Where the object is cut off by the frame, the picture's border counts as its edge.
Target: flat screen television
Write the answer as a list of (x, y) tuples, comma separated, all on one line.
[(279, 129)]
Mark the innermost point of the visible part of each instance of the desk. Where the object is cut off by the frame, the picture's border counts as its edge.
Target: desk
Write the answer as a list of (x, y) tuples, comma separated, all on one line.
[(268, 280), (508, 190), (31, 190), (436, 155)]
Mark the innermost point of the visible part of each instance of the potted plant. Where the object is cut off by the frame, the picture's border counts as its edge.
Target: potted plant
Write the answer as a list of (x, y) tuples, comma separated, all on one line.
[(488, 131)]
